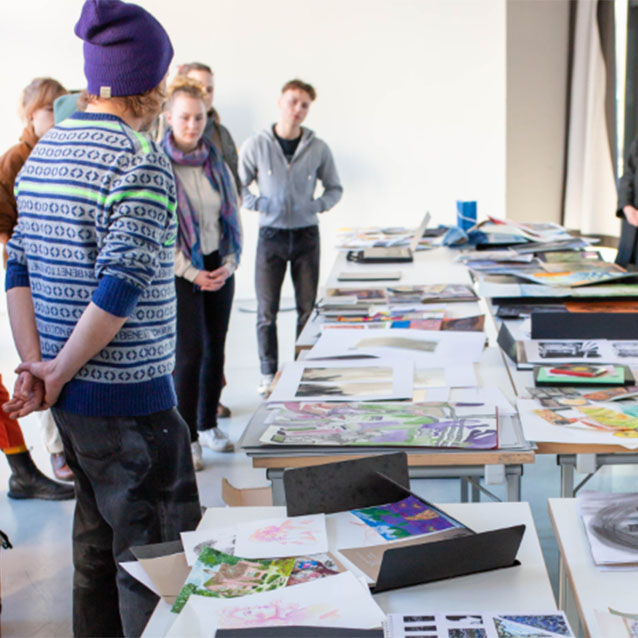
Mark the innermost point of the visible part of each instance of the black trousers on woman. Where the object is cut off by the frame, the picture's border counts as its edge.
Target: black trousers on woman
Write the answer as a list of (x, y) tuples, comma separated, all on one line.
[(202, 324)]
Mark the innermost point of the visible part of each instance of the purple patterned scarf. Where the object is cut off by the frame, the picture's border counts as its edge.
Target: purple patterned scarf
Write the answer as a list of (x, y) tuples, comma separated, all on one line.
[(188, 240)]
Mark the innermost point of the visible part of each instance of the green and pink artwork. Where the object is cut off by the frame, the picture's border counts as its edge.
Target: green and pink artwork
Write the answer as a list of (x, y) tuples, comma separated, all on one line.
[(408, 517), (223, 576)]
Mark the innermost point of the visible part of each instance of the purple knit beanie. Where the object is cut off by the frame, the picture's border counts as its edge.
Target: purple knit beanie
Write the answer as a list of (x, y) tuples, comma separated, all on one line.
[(126, 50)]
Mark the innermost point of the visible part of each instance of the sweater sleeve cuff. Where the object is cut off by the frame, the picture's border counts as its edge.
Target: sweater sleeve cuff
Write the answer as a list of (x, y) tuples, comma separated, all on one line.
[(116, 296), (17, 276)]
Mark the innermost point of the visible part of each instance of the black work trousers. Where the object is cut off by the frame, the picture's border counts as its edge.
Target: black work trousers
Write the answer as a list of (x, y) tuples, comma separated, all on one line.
[(202, 325), (135, 485), (276, 248)]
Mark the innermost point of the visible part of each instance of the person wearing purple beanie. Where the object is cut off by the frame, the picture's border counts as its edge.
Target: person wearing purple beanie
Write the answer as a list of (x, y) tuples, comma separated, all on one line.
[(91, 297)]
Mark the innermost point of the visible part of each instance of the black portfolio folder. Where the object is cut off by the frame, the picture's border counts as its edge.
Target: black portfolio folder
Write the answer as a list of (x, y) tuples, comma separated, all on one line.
[(585, 325), (347, 485)]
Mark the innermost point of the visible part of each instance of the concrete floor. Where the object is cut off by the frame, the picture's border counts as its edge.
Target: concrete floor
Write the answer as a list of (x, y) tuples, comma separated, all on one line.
[(36, 574)]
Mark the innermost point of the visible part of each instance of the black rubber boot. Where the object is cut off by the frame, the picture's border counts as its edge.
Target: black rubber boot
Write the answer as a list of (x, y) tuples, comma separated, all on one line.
[(26, 481)]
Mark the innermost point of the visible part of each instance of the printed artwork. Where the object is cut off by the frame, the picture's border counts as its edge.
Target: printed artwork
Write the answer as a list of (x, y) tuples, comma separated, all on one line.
[(364, 379), (346, 390), (400, 343), (531, 626), (221, 575), (371, 295), (380, 424), (408, 517), (309, 568), (279, 537), (484, 625), (625, 349), (340, 375), (572, 349), (577, 278), (594, 417), (337, 601), (611, 524)]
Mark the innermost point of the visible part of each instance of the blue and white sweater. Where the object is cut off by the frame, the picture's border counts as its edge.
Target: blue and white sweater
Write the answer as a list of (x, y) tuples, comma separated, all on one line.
[(96, 222)]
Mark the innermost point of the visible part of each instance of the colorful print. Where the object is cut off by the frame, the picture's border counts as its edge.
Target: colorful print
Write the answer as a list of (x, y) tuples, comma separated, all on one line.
[(380, 424), (221, 575), (408, 517), (532, 626), (309, 568), (467, 633)]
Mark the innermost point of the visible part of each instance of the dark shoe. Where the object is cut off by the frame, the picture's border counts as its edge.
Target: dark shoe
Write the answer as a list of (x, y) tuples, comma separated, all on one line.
[(61, 470), (223, 412), (26, 481)]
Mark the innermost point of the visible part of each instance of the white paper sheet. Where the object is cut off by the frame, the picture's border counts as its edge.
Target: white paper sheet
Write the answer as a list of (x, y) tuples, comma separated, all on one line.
[(219, 538), (427, 348), (339, 380), (282, 537), (334, 601)]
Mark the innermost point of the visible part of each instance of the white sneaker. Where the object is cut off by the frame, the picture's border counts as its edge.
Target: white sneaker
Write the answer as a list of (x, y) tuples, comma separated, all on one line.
[(216, 440), (265, 383), (196, 451)]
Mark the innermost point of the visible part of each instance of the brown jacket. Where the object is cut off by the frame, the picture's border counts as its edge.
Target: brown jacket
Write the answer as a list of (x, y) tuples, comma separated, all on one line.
[(10, 164)]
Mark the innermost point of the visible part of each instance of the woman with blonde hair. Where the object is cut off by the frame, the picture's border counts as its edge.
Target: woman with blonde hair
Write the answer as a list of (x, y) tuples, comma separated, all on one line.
[(26, 480), (207, 254)]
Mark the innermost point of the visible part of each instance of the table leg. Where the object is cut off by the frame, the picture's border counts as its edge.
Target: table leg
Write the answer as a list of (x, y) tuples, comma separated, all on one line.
[(276, 477), (476, 493), (513, 475), (566, 476), (463, 480)]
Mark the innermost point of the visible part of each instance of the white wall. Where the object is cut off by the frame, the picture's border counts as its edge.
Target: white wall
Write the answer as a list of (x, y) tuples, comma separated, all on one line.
[(411, 93)]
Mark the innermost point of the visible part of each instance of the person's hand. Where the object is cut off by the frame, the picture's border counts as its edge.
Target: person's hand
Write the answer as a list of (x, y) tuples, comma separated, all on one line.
[(212, 280), (28, 396), (631, 214), (48, 375), (204, 281), (219, 276)]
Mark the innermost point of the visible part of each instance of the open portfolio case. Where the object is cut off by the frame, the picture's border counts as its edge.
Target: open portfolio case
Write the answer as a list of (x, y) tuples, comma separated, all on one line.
[(378, 480)]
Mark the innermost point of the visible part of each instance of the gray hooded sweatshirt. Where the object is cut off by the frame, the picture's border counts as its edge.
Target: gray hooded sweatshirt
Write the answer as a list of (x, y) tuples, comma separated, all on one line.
[(286, 191)]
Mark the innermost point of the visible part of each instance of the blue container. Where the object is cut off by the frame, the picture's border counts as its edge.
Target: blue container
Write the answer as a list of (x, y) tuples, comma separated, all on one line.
[(465, 215)]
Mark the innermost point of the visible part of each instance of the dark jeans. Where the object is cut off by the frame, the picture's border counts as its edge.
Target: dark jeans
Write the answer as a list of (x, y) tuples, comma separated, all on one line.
[(277, 247), (202, 324), (135, 484)]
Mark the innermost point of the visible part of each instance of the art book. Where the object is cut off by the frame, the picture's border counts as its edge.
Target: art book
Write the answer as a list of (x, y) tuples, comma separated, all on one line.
[(552, 624), (223, 576), (283, 536), (335, 601), (441, 425)]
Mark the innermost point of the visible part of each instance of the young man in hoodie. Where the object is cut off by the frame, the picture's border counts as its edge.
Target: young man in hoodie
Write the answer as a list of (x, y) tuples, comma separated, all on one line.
[(286, 160)]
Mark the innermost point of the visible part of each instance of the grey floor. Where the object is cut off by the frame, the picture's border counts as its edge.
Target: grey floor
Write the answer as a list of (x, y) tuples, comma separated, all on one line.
[(36, 574)]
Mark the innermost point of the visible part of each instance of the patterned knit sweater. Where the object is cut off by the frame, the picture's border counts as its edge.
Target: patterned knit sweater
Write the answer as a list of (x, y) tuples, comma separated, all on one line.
[(96, 222)]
